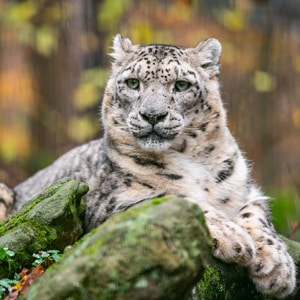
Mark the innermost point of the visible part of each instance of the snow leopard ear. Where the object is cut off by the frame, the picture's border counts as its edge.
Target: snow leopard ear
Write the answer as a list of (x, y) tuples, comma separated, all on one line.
[(209, 53), (122, 46)]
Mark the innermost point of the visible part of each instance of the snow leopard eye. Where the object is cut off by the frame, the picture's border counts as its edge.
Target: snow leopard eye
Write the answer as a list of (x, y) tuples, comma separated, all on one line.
[(181, 85), (205, 66), (133, 83)]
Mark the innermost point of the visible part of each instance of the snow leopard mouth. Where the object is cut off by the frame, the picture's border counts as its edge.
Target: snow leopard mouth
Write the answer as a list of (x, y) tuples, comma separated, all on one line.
[(154, 142), (155, 131), (154, 136)]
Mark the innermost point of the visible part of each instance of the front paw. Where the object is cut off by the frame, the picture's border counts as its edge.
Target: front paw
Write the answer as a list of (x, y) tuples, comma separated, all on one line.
[(273, 269), (231, 243), (6, 200)]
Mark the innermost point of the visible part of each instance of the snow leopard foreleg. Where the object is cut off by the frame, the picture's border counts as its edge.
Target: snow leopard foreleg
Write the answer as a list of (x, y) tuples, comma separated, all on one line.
[(272, 269)]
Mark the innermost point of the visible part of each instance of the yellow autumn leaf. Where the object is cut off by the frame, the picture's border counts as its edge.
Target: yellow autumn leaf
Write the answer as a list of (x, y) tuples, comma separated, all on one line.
[(297, 63), (296, 117), (14, 143)]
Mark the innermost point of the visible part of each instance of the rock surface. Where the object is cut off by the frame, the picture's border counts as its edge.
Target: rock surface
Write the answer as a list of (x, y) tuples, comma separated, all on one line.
[(155, 250), (49, 221), (158, 249)]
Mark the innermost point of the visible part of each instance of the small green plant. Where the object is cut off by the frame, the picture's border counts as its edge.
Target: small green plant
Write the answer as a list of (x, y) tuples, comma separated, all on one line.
[(46, 258), (6, 284), (6, 256)]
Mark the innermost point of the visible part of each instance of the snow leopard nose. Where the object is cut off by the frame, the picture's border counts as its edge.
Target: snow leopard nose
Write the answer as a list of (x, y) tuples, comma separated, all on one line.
[(153, 117)]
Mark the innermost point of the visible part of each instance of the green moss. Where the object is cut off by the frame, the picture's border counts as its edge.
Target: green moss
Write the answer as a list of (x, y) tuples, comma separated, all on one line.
[(201, 219), (159, 200), (45, 235), (293, 248), (211, 286), (18, 219)]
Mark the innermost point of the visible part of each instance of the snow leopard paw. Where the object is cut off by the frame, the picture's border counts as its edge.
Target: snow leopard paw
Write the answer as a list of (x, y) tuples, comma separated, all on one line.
[(231, 243), (273, 269)]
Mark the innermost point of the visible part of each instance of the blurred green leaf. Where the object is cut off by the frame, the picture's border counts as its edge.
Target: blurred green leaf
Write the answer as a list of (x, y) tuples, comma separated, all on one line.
[(46, 40), (263, 81), (82, 128), (110, 12), (20, 12), (233, 19), (90, 90), (86, 95)]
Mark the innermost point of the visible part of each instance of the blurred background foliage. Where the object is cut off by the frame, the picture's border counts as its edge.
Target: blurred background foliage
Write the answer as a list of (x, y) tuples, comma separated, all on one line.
[(54, 65)]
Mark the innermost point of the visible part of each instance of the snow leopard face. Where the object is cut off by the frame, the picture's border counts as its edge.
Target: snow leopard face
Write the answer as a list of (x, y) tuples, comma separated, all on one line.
[(159, 92)]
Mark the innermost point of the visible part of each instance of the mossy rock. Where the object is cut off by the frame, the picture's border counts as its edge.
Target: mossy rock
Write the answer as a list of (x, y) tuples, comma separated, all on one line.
[(158, 249), (154, 250), (49, 221)]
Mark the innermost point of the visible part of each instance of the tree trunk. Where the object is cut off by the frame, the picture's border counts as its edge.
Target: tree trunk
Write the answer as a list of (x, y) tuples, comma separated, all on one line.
[(57, 74)]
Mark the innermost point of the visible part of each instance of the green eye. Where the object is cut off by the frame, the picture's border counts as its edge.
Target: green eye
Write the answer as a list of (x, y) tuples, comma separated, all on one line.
[(133, 83), (181, 85)]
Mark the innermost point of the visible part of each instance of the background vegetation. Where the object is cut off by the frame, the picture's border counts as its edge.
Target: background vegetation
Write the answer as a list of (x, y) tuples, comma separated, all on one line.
[(54, 65)]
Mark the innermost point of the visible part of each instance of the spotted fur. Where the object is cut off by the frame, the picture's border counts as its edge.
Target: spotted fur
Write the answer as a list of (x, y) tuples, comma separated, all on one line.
[(6, 200), (165, 133)]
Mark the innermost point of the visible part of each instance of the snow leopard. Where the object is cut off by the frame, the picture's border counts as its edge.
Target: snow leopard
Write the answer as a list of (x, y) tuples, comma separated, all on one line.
[(165, 132)]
